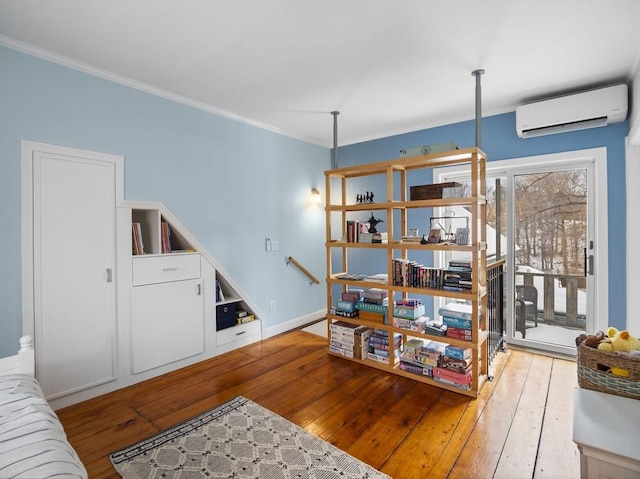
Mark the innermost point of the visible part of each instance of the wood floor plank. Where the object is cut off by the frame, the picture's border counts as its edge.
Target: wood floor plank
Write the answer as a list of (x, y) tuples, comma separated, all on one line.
[(405, 428), (484, 426), (518, 456), (94, 447), (429, 439), (558, 455), (345, 437), (390, 430)]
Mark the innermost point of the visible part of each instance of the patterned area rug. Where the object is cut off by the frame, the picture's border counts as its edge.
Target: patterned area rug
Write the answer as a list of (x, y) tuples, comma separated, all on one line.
[(238, 439)]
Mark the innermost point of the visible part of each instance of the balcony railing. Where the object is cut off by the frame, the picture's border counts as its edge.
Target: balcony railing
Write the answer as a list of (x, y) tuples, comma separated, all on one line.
[(561, 297), (495, 308)]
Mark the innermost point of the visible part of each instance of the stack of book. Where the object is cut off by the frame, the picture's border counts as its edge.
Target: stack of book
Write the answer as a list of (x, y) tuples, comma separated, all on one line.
[(409, 359), (342, 339), (362, 334), (347, 307), (408, 314), (457, 277), (455, 367), (435, 327), (457, 317), (374, 305), (422, 358), (379, 346), (243, 316), (350, 340)]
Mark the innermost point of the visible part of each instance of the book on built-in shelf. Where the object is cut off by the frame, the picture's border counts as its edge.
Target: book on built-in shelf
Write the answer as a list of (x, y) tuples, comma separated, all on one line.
[(219, 293), (166, 237), (137, 243)]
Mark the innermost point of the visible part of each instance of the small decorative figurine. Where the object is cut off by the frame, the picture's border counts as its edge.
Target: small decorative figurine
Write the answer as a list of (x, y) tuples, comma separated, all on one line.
[(373, 221), (365, 198)]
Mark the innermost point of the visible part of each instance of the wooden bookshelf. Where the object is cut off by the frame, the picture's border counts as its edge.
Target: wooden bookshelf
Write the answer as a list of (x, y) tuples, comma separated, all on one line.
[(392, 206)]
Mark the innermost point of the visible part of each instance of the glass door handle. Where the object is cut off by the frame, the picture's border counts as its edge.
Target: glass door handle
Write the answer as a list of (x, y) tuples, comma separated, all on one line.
[(588, 263)]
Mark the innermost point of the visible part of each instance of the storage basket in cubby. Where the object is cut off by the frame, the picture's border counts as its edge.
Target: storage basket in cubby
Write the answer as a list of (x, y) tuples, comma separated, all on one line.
[(593, 365)]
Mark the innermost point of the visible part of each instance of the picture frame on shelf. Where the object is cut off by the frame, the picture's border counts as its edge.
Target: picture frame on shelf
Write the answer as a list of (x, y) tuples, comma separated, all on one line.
[(434, 235), (462, 236)]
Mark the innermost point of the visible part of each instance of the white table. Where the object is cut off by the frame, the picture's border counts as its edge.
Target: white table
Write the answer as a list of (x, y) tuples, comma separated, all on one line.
[(606, 429)]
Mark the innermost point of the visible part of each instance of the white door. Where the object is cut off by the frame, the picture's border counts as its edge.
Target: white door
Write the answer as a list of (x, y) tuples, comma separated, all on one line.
[(74, 256)]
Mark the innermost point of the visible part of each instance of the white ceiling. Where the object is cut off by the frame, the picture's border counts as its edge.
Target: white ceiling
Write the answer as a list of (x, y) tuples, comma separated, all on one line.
[(388, 66)]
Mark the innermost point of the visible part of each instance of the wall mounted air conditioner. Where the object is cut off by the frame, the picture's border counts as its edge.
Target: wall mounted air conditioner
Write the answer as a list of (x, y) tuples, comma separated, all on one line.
[(573, 112)]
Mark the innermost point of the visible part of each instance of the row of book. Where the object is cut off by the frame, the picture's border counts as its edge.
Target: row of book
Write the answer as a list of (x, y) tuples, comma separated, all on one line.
[(349, 340), (137, 246), (358, 232), (136, 236), (415, 275), (165, 237), (457, 318), (380, 344), (441, 361)]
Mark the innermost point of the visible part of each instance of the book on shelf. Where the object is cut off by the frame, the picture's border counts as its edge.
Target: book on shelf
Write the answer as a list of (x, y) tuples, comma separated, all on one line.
[(137, 243), (378, 278), (219, 293), (457, 310), (165, 237), (351, 277)]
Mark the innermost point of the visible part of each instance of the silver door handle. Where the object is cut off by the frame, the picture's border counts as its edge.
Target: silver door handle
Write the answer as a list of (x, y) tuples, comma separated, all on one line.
[(199, 289), (109, 275)]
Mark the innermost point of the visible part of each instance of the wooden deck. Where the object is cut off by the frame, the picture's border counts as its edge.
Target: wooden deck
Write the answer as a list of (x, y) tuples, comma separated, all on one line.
[(519, 427)]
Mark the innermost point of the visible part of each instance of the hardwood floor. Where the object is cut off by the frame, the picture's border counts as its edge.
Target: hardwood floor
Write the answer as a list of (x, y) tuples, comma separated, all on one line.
[(520, 426)]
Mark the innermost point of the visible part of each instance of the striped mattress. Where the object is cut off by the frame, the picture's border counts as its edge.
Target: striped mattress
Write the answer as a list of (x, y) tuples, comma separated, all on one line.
[(33, 443)]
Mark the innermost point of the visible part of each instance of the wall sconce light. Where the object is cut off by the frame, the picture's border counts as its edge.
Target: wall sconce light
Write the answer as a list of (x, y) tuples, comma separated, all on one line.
[(315, 195)]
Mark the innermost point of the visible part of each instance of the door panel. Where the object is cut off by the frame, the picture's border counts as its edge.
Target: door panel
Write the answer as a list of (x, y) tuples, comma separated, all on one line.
[(167, 323), (74, 260), (550, 232)]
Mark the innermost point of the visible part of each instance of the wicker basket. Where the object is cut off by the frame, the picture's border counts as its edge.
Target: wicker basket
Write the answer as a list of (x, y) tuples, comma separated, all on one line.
[(593, 365)]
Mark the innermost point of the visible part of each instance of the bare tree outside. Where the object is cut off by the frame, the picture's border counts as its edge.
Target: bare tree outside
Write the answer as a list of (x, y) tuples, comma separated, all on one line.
[(551, 221)]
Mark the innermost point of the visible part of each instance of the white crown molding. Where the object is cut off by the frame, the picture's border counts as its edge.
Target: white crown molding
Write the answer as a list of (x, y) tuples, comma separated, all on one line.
[(128, 82)]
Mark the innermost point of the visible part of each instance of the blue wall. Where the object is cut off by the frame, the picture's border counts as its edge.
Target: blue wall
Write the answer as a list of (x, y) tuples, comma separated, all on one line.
[(229, 183), (500, 142)]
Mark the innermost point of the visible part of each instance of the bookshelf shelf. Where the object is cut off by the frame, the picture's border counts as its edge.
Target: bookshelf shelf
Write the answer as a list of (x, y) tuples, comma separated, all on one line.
[(396, 176)]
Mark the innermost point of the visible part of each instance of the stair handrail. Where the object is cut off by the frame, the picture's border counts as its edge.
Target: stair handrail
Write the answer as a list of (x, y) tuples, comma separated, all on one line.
[(313, 279)]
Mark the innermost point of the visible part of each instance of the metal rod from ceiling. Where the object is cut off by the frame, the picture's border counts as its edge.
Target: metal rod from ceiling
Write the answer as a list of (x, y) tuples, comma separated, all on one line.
[(478, 74), (334, 152)]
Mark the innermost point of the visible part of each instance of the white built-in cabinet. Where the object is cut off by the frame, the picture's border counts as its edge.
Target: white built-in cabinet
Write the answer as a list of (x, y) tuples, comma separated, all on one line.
[(104, 317), (167, 310)]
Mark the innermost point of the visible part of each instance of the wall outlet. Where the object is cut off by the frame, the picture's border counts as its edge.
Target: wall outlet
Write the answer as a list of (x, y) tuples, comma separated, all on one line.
[(275, 246), (272, 305)]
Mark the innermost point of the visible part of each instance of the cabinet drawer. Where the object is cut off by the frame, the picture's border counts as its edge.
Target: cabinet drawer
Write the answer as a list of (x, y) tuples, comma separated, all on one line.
[(236, 333), (165, 268)]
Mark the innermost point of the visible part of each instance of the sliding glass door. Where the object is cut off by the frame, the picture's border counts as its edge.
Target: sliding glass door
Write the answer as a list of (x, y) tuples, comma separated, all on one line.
[(541, 219)]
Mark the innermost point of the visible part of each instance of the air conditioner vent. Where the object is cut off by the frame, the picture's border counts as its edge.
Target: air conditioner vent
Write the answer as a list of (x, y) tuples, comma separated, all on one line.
[(578, 111)]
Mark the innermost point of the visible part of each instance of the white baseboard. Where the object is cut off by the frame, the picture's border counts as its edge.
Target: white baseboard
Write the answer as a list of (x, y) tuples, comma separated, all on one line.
[(294, 323)]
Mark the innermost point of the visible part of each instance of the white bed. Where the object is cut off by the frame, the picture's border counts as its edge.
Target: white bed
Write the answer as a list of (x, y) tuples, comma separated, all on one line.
[(33, 443)]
